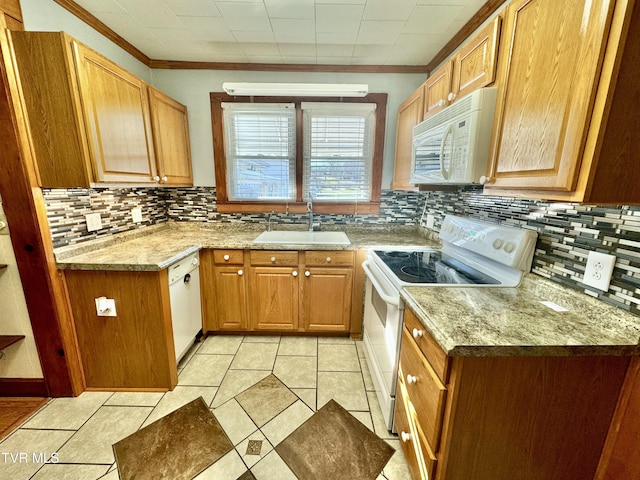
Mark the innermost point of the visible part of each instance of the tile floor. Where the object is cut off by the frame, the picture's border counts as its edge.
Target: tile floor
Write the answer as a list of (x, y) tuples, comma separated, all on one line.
[(78, 433)]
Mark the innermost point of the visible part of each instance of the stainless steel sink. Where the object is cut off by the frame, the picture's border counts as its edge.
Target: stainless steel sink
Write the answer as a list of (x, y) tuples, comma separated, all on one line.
[(303, 238)]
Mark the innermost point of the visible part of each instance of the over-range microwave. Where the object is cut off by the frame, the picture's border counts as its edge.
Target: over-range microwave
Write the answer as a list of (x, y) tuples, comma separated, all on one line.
[(452, 146)]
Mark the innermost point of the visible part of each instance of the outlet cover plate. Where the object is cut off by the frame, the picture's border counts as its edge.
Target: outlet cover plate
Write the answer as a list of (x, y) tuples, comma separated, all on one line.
[(598, 271), (94, 222), (430, 220), (136, 214)]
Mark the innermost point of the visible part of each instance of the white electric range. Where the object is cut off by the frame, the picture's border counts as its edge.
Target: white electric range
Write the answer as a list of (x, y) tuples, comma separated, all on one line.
[(474, 253)]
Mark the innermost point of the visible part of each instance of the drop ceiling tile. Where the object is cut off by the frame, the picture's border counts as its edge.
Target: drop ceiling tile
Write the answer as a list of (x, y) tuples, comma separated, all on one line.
[(333, 60), (338, 18), (264, 58), (175, 39), (245, 16), (223, 48), (368, 60), (126, 26), (431, 19), (379, 32), (334, 50), (208, 28), (441, 2), (101, 6), (293, 30), (336, 38), (298, 60), (194, 8), (228, 58), (150, 13), (254, 37), (304, 9), (342, 2), (372, 50), (388, 9), (260, 49), (297, 49)]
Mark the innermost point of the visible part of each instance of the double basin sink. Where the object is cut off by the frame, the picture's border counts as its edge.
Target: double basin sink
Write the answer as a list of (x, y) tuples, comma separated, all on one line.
[(279, 237)]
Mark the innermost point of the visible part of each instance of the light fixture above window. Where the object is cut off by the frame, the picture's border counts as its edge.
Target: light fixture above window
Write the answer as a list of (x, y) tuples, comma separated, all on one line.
[(297, 89)]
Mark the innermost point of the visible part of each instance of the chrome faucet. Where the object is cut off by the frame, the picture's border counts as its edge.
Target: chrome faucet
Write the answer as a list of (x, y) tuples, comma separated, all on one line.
[(310, 211), (269, 221)]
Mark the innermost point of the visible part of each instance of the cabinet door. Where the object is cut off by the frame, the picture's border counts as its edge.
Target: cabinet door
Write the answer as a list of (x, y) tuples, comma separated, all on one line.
[(326, 299), (548, 75), (116, 112), (171, 139), (409, 115), (474, 66), (231, 298), (437, 89), (273, 298)]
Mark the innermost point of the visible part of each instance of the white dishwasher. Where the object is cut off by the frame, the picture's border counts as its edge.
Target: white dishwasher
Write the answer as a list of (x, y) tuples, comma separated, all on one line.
[(184, 295)]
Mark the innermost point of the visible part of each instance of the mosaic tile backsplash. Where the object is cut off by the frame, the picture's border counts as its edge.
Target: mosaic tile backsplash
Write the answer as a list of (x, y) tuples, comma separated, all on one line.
[(567, 232)]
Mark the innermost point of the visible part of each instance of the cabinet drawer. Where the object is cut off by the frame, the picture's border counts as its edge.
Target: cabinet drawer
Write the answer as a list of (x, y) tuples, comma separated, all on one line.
[(228, 257), (436, 357), (322, 258), (425, 390), (274, 257)]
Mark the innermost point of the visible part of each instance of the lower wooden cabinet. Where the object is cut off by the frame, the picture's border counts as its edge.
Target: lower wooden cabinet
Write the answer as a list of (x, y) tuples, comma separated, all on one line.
[(273, 298), (231, 297), (326, 299)]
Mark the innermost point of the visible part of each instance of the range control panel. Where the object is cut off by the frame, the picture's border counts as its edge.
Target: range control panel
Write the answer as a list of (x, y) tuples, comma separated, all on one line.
[(508, 245)]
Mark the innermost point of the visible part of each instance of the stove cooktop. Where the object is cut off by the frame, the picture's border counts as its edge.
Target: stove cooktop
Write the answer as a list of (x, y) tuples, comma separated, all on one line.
[(431, 267)]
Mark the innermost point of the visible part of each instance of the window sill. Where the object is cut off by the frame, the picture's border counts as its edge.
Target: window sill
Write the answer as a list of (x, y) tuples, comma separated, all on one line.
[(320, 207)]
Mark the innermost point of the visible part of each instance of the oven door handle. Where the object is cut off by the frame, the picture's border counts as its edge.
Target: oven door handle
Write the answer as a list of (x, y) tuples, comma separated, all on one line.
[(383, 295)]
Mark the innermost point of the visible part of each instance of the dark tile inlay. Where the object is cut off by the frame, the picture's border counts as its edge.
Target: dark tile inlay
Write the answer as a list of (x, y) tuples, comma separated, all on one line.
[(247, 476), (331, 443), (178, 446), (254, 447), (266, 399)]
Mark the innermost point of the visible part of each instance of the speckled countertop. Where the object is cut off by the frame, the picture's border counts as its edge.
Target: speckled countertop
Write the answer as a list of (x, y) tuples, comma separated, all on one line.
[(157, 247), (513, 321)]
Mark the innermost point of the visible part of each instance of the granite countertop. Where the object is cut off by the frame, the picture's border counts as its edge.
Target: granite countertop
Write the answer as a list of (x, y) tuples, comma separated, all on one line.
[(512, 321), (157, 247)]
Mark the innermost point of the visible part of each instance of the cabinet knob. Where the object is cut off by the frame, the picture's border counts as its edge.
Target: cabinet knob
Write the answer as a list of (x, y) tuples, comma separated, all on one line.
[(441, 102), (484, 179), (156, 178), (226, 258), (451, 96), (411, 379), (417, 333), (307, 273), (240, 272), (273, 259), (165, 178), (328, 259), (294, 273), (405, 436), (194, 261)]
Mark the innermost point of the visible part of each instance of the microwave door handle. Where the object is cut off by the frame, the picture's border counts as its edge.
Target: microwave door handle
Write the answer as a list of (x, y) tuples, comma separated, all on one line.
[(447, 132), (383, 295)]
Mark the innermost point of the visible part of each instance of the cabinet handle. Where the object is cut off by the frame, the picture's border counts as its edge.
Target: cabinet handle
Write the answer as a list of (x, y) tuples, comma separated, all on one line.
[(307, 273), (451, 96), (295, 274), (411, 379), (226, 258), (165, 178), (156, 178), (240, 272), (405, 436), (328, 259), (417, 333), (273, 259)]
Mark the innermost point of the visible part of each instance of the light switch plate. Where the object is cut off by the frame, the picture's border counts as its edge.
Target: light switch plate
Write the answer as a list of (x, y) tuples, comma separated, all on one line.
[(598, 271), (136, 214), (106, 307), (94, 222)]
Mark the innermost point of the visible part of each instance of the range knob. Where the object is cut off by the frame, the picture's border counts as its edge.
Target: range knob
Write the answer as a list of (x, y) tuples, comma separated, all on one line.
[(509, 247), (497, 244)]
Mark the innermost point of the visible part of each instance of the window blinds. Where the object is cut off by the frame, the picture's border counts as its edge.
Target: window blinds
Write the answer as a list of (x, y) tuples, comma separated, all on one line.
[(338, 151), (260, 148)]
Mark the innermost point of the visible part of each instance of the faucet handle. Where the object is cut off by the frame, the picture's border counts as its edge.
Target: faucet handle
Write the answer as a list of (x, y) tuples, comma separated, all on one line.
[(309, 206)]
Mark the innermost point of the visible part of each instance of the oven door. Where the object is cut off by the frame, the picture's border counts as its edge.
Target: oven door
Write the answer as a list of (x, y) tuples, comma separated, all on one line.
[(383, 316)]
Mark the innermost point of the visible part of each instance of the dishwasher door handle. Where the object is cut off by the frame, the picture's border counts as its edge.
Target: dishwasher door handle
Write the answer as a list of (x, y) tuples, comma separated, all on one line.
[(391, 300)]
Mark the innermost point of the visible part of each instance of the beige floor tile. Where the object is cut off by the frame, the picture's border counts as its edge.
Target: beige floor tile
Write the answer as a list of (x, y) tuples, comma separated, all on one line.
[(360, 348), (189, 355), (205, 370), (282, 425), (235, 421), (221, 344), (262, 339), (301, 346), (266, 399), (113, 475), (346, 388), (364, 418), (307, 395), (178, 397), (93, 442), (235, 382), (68, 413), (228, 467), (27, 442), (366, 376), (250, 459), (296, 372), (335, 340), (272, 467), (338, 358), (397, 468), (70, 472), (379, 425), (135, 399), (255, 356)]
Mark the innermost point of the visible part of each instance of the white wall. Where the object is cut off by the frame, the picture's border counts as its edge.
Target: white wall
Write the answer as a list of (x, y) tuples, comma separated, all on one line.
[(192, 87)]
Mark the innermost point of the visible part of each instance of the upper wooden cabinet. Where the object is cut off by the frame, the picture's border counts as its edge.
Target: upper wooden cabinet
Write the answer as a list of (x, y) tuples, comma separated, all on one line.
[(171, 139), (12, 13), (437, 89), (567, 114), (90, 120), (409, 115)]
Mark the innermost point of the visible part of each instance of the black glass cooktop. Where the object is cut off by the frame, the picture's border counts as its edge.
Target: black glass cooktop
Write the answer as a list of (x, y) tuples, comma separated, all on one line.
[(431, 266)]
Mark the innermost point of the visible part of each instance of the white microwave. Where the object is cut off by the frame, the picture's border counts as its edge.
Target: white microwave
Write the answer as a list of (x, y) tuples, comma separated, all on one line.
[(452, 146)]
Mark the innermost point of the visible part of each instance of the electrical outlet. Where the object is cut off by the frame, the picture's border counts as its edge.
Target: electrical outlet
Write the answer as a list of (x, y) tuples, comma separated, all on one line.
[(598, 271), (94, 222), (430, 220), (106, 307), (136, 214)]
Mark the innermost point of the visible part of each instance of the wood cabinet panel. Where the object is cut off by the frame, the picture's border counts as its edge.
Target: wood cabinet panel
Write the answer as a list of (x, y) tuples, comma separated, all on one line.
[(409, 115), (171, 139), (328, 258), (11, 8), (405, 434), (12, 23), (273, 257), (228, 257), (436, 357), (437, 89), (326, 299), (231, 298), (273, 298)]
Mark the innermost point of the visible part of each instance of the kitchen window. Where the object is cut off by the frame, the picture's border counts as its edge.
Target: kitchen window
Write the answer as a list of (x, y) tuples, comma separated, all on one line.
[(279, 153)]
